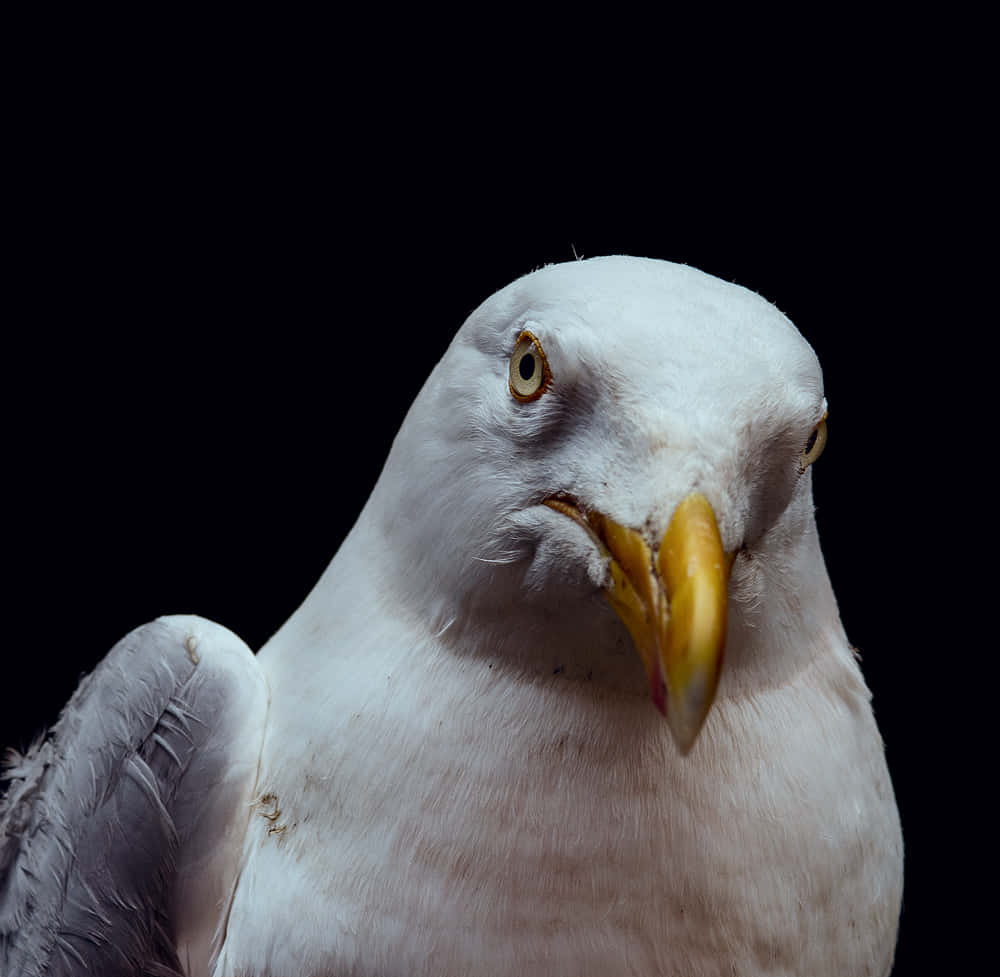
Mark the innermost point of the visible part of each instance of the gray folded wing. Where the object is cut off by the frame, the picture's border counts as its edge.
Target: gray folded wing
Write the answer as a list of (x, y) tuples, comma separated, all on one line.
[(121, 835)]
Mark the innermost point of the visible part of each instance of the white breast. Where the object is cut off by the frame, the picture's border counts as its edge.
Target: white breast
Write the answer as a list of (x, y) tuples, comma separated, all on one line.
[(470, 822)]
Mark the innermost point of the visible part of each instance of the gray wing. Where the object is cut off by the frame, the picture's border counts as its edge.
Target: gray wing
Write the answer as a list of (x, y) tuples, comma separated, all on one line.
[(121, 835)]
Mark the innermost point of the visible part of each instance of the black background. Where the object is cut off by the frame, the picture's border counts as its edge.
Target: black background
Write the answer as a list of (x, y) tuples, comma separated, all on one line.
[(230, 286)]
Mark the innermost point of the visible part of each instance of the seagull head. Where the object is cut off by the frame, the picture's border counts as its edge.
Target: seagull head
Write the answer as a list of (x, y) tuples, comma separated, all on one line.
[(608, 472)]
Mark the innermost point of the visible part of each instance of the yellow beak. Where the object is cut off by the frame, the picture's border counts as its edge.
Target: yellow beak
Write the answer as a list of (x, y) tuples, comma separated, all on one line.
[(674, 604)]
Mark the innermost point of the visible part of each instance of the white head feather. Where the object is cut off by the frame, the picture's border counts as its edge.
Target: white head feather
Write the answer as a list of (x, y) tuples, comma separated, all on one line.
[(665, 380)]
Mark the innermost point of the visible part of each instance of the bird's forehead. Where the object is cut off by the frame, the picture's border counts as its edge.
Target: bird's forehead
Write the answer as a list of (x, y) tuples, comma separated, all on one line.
[(653, 322)]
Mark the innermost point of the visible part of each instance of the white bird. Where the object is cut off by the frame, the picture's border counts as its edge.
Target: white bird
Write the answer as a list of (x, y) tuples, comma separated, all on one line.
[(448, 761)]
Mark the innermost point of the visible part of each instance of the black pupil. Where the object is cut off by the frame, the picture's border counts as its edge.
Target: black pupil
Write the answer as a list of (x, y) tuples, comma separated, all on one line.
[(527, 366)]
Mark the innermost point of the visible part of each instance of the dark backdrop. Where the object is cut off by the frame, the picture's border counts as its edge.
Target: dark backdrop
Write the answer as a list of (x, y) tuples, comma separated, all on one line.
[(226, 307)]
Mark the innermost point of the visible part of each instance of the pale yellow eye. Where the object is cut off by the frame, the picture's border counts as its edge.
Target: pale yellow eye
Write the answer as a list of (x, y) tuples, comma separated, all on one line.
[(529, 370), (815, 445)]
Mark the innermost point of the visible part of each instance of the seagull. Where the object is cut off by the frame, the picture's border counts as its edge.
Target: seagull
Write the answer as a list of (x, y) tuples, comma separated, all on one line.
[(572, 698)]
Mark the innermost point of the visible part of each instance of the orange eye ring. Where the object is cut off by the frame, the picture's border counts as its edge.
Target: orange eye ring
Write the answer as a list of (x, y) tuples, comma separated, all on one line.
[(530, 375)]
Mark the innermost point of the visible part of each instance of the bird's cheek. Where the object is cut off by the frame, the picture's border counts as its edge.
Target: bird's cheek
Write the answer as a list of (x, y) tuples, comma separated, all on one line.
[(565, 562)]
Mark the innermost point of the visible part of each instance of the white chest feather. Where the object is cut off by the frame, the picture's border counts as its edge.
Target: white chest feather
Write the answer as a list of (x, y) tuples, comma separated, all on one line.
[(469, 822)]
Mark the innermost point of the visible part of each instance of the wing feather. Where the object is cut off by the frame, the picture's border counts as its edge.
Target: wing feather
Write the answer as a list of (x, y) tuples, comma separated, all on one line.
[(120, 835)]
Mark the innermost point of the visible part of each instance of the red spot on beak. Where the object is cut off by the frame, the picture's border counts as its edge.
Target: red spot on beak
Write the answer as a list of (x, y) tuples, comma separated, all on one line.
[(658, 690)]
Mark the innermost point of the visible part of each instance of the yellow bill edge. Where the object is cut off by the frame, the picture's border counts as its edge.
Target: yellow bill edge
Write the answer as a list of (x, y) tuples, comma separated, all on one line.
[(695, 574), (674, 605)]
